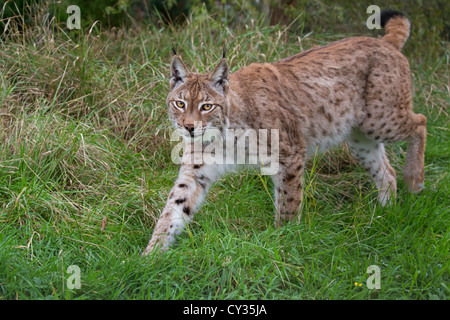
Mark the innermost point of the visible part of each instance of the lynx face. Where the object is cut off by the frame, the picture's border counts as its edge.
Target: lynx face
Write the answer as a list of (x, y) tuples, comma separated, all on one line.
[(197, 102)]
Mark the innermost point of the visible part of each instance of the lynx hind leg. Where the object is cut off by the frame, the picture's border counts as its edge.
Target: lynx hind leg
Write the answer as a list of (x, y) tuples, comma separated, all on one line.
[(372, 156), (403, 125), (389, 117), (413, 175)]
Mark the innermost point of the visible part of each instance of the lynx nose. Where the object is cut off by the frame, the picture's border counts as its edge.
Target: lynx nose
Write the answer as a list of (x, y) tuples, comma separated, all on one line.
[(190, 128)]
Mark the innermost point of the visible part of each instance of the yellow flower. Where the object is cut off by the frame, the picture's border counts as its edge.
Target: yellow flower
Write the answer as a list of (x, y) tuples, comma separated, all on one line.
[(358, 284)]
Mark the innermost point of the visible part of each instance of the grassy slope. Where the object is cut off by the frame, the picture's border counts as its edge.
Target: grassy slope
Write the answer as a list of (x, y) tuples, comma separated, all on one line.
[(85, 168)]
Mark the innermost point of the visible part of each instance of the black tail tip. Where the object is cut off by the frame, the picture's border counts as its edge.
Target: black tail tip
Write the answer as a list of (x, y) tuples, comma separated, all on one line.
[(388, 14)]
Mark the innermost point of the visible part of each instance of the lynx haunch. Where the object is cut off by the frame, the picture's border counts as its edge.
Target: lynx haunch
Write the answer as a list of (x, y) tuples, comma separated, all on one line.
[(356, 90)]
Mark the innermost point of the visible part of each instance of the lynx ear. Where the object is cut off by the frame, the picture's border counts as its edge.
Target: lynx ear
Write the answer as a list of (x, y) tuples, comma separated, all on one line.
[(219, 77), (178, 72)]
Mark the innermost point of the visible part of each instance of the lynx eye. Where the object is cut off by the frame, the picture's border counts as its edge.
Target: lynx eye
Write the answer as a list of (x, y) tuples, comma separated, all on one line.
[(179, 104), (207, 107)]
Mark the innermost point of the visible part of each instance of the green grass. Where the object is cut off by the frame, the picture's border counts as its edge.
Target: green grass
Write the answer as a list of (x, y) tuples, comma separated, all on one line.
[(85, 170)]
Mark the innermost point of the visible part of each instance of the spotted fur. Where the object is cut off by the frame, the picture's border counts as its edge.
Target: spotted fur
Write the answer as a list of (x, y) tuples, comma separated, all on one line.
[(356, 90)]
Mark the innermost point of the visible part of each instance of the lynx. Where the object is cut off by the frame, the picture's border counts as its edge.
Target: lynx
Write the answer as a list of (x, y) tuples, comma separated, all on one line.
[(356, 90)]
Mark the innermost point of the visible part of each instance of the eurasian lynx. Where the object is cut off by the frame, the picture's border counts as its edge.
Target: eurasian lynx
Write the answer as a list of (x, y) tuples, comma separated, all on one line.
[(356, 90)]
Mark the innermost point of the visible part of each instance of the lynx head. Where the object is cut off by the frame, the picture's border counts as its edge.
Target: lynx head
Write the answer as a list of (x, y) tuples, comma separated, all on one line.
[(197, 102)]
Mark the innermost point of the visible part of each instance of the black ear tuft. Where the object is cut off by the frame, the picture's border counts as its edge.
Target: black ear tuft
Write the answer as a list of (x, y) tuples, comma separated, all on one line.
[(224, 51), (178, 72), (219, 77), (173, 50), (388, 14)]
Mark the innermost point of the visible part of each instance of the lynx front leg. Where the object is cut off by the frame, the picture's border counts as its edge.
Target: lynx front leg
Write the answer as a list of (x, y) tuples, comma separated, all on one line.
[(184, 199), (288, 189)]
